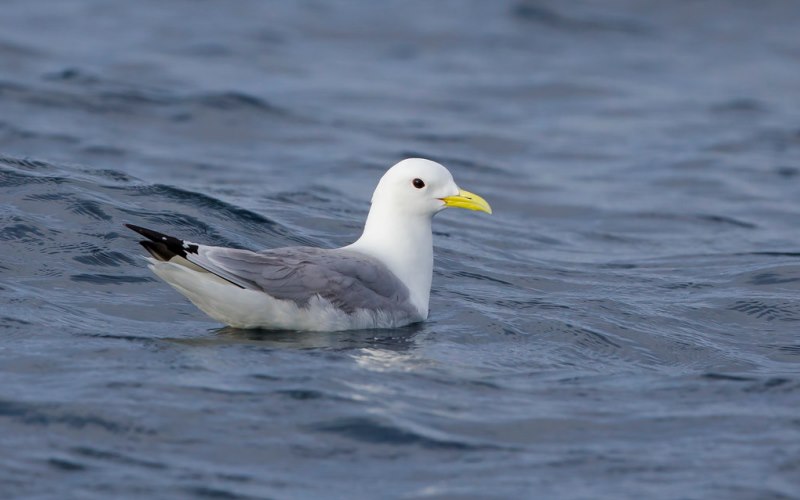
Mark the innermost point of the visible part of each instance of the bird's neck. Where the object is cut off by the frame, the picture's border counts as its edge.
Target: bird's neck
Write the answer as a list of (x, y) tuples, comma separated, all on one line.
[(405, 244)]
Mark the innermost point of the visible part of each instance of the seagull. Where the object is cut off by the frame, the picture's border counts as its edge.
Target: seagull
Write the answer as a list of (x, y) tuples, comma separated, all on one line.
[(383, 280)]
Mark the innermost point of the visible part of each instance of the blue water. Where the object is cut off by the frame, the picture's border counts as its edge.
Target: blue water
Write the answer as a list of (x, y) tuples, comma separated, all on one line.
[(626, 324)]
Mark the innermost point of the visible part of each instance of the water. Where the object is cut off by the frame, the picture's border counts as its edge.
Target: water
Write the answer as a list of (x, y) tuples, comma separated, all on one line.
[(624, 325)]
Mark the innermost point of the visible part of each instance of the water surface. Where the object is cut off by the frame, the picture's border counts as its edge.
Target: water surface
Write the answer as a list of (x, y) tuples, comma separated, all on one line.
[(624, 325)]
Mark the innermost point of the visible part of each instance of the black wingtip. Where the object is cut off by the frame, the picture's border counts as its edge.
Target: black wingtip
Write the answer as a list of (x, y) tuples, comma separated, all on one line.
[(157, 250), (165, 246), (147, 233)]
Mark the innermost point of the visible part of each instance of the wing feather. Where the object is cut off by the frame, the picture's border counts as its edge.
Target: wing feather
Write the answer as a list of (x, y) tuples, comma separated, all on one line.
[(350, 280), (347, 279)]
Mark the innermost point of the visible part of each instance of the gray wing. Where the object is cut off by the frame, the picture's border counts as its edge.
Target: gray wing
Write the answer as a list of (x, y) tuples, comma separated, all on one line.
[(350, 280)]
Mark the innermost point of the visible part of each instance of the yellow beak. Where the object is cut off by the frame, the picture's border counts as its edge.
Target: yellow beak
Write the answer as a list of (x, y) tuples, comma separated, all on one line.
[(470, 201)]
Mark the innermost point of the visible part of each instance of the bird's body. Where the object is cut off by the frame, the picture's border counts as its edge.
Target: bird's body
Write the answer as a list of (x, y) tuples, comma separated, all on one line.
[(382, 280)]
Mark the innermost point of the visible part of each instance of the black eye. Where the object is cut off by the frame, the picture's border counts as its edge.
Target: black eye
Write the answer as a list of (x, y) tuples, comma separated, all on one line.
[(418, 183)]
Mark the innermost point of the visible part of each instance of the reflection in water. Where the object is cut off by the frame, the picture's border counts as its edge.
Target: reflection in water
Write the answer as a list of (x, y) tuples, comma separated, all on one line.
[(389, 360), (398, 339)]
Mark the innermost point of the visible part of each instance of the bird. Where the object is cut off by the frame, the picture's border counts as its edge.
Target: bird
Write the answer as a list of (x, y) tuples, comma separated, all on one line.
[(382, 280)]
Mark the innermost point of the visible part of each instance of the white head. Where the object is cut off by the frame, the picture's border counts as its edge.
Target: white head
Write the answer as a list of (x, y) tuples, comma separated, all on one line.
[(416, 186), (398, 227)]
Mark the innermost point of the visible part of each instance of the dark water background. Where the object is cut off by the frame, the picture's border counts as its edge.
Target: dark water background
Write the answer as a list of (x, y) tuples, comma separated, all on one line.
[(625, 325)]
